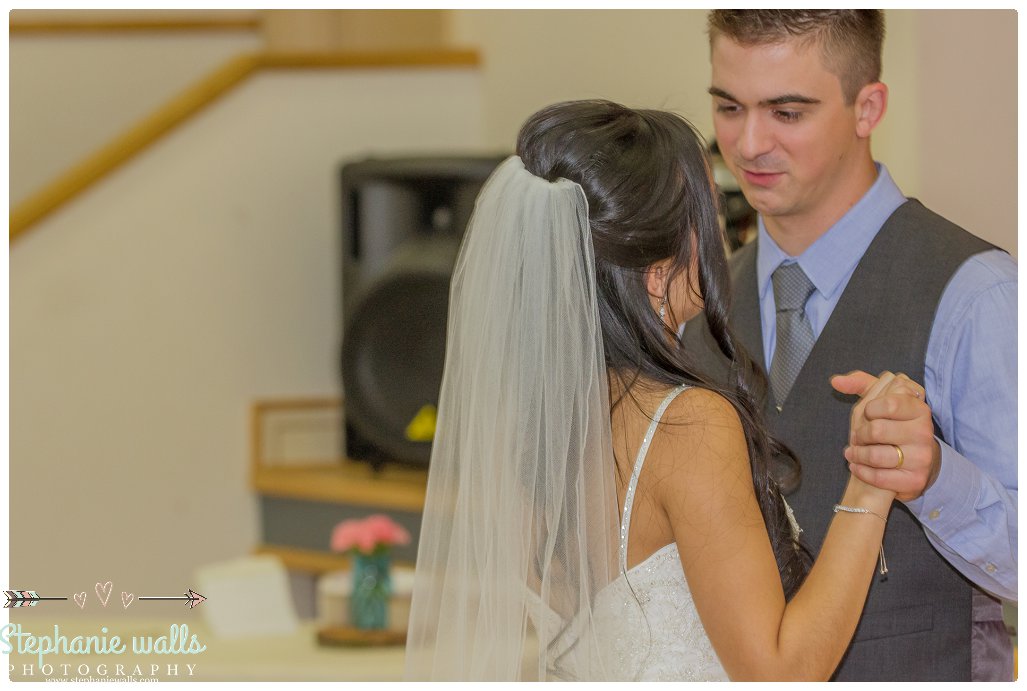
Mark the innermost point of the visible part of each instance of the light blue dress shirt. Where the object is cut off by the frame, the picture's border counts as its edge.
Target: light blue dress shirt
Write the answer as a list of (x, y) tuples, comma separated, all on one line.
[(969, 514)]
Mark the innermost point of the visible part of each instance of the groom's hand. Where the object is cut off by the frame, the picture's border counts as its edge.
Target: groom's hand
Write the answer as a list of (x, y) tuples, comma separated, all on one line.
[(893, 416)]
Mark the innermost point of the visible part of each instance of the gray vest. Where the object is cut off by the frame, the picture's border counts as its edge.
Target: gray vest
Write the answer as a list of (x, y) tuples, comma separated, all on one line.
[(917, 621)]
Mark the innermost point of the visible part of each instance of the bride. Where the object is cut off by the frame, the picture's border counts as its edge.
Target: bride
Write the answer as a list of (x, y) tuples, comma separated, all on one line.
[(595, 509)]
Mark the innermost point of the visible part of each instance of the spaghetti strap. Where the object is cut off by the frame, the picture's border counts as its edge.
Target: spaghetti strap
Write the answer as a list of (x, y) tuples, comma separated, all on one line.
[(639, 460)]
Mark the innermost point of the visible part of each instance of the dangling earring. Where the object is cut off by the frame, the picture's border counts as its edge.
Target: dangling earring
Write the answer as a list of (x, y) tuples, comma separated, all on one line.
[(663, 309)]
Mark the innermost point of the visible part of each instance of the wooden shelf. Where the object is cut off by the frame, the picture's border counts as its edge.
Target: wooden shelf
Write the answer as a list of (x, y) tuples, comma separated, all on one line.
[(313, 561), (349, 482), (307, 560), (343, 481), (277, 474)]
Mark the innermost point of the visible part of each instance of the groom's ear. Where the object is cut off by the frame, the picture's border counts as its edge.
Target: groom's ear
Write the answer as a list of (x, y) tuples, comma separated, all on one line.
[(656, 279)]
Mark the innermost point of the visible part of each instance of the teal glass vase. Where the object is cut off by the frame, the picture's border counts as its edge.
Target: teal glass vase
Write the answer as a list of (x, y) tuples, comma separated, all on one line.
[(372, 589)]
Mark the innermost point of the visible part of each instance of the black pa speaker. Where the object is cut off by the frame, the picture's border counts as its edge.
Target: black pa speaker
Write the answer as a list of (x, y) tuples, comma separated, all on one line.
[(402, 223)]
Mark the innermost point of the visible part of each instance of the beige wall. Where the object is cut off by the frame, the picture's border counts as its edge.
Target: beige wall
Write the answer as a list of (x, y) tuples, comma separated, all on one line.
[(967, 134), (647, 58), (149, 314), (70, 94)]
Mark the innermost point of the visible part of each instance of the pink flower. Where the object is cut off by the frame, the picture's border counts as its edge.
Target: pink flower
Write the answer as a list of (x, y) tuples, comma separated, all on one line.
[(367, 535), (344, 536), (366, 541), (385, 530)]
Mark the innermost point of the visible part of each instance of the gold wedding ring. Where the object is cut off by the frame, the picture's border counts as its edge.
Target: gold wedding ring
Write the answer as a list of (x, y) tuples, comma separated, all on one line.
[(902, 456)]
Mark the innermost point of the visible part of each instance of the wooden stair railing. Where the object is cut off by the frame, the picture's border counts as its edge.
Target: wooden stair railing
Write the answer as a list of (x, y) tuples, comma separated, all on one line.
[(197, 97)]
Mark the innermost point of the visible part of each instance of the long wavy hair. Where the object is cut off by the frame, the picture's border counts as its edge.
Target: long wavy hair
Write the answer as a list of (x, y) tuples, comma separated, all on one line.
[(648, 182)]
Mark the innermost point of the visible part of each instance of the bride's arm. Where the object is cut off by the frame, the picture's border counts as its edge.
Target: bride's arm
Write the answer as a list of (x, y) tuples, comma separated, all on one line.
[(707, 493)]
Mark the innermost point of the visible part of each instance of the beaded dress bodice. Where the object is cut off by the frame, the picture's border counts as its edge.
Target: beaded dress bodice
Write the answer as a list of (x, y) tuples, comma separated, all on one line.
[(646, 621)]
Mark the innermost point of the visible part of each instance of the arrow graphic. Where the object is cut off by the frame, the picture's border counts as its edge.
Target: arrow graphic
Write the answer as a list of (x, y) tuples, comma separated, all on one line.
[(25, 598), (192, 598)]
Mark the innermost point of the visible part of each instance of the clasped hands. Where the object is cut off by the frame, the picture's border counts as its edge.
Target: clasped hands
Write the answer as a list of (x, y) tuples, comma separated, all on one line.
[(891, 433)]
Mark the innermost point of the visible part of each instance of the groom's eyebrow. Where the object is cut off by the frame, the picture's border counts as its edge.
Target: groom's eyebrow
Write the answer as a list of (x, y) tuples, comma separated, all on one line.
[(790, 98), (776, 101), (720, 93)]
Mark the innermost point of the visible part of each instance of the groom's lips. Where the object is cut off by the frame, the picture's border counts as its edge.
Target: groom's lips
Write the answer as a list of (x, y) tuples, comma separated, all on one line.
[(761, 179)]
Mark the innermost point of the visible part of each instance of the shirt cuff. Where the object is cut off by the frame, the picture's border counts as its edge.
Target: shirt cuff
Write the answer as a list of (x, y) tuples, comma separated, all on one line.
[(951, 501)]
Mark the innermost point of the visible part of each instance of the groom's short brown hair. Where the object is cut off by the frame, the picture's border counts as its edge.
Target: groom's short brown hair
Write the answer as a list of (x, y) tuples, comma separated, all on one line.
[(850, 41)]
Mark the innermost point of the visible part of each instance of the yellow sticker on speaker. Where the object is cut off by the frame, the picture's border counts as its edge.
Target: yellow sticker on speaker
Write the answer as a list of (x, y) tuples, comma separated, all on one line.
[(422, 427)]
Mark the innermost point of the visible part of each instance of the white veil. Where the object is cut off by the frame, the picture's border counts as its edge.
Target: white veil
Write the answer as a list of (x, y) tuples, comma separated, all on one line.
[(520, 521)]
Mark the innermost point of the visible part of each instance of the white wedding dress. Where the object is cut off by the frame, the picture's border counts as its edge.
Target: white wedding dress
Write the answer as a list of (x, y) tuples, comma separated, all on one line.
[(647, 626)]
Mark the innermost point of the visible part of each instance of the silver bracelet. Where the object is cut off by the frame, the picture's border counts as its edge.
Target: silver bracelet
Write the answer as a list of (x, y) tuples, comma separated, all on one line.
[(883, 565)]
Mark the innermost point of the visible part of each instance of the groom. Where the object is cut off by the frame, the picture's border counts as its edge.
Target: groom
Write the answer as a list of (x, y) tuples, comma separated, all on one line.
[(849, 275)]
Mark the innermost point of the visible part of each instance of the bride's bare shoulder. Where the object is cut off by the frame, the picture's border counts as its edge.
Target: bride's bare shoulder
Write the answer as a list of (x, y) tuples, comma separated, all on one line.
[(694, 405), (700, 431), (701, 407)]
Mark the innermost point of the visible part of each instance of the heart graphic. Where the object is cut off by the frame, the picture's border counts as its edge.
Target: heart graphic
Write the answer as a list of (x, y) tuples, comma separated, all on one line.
[(80, 599), (103, 591), (126, 598)]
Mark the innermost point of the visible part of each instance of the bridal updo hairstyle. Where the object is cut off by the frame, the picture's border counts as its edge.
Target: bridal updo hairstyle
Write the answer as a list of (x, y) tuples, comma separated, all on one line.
[(651, 196)]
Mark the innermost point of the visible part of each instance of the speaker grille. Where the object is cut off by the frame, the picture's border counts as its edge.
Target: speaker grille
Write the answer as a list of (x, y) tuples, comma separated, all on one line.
[(403, 220)]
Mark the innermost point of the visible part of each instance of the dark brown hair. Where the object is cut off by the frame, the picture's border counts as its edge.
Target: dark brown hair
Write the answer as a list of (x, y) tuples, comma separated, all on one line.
[(647, 179), (850, 41)]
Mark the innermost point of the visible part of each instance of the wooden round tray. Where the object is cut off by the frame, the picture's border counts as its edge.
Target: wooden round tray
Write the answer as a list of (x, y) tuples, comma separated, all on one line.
[(350, 637)]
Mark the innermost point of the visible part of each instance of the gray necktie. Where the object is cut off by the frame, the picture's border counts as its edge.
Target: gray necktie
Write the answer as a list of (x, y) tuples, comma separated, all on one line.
[(794, 334)]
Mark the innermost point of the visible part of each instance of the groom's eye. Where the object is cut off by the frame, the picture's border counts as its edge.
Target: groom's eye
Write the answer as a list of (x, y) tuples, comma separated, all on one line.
[(788, 115)]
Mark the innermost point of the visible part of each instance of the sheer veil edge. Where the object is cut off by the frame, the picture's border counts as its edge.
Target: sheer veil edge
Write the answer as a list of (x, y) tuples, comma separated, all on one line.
[(520, 522)]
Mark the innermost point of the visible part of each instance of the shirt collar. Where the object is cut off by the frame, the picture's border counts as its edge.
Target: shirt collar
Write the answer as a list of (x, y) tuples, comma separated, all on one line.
[(834, 255)]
